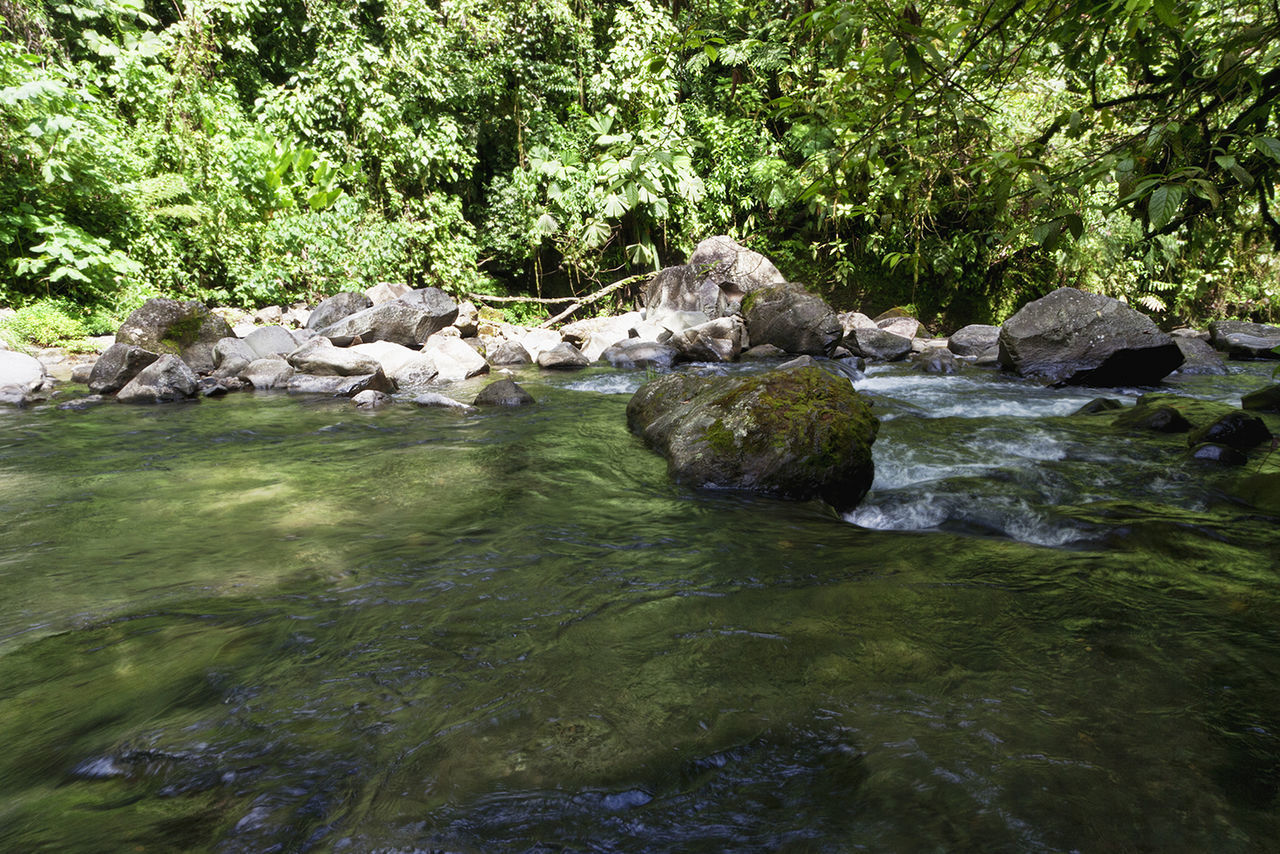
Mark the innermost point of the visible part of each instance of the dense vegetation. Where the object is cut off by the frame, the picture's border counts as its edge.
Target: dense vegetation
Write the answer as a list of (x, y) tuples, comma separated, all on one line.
[(959, 157)]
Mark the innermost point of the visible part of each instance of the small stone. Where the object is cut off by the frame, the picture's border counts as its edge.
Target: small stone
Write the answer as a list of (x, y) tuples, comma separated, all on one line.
[(440, 401), (562, 356), (370, 399), (1099, 405), (1211, 452), (503, 393)]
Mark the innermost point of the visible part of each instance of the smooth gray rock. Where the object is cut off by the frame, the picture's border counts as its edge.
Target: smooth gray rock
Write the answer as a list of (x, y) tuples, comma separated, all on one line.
[(335, 308), (563, 356), (1199, 357), (468, 320), (386, 292), (439, 401), (454, 359), (733, 269), (409, 320), (339, 386), (81, 372), (1075, 338), (505, 392), (634, 354), (168, 326), (876, 345), (370, 399), (268, 341), (319, 357), (907, 327), (117, 365), (233, 351), (935, 360), (21, 378), (510, 353), (166, 380), (265, 374), (719, 340), (792, 319), (976, 339), (410, 370), (680, 289), (1243, 340), (799, 433)]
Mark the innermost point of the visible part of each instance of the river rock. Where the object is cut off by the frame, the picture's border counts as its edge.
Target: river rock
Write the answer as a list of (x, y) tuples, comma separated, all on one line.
[(185, 329), (1263, 400), (536, 340), (1242, 340), (792, 319), (166, 380), (510, 353), (935, 360), (719, 340), (1075, 338), (594, 335), (231, 355), (339, 386), (81, 372), (319, 357), (468, 320), (800, 433), (562, 356), (455, 360), (1220, 454), (1160, 418), (504, 392), (265, 374), (1198, 357), (975, 340), (876, 345), (335, 308), (370, 399), (385, 292), (410, 370), (118, 364), (21, 377), (440, 401), (1238, 430), (1099, 405), (409, 320), (733, 269), (267, 342), (907, 327), (681, 289), (635, 354)]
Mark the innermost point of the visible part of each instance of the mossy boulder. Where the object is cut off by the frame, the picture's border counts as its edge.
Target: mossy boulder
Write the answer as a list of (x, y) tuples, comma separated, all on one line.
[(182, 328), (801, 433)]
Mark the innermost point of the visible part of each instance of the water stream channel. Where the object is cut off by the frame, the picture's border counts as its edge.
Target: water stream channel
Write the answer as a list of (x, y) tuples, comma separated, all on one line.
[(269, 623)]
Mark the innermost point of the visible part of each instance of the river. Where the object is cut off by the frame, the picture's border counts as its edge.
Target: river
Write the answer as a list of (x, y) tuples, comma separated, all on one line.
[(266, 623)]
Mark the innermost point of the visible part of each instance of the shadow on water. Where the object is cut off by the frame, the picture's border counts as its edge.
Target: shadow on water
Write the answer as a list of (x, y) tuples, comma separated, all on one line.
[(267, 624)]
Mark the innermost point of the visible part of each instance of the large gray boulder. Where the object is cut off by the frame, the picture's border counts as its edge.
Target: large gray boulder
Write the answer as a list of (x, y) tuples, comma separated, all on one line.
[(21, 377), (265, 374), (510, 353), (166, 380), (335, 308), (1198, 357), (455, 359), (680, 289), (876, 345), (270, 341), (975, 340), (1242, 340), (319, 357), (1075, 338), (719, 340), (339, 386), (182, 328), (733, 269), (792, 319), (232, 355), (563, 356), (118, 364), (799, 433), (410, 370), (409, 320), (633, 354)]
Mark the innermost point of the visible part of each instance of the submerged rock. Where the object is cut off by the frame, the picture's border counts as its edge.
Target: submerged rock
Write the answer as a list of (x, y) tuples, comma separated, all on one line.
[(1099, 405), (340, 386), (370, 399), (1075, 338), (799, 433), (1221, 454), (1238, 430), (1263, 400), (1161, 419), (936, 360)]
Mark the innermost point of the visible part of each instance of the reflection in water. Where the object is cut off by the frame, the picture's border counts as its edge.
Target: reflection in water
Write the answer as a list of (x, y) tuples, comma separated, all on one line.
[(269, 624)]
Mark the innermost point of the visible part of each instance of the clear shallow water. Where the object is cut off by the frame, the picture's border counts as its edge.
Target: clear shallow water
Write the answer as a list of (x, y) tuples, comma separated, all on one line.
[(265, 623)]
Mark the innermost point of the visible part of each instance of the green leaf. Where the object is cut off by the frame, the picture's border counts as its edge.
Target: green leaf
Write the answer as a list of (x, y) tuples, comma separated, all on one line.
[(1168, 16), (1163, 204), (1075, 225), (614, 206), (1268, 145), (547, 225)]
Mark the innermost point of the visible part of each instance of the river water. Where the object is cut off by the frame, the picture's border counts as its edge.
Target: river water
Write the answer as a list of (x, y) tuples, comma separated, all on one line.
[(266, 623)]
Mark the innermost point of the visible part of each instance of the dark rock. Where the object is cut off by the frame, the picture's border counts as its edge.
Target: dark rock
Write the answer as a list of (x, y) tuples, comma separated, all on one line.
[(762, 352), (1263, 400), (634, 354), (185, 329), (1238, 430), (319, 357), (1099, 405), (562, 356), (118, 364), (876, 345), (935, 360), (409, 320), (370, 399), (503, 393), (213, 386), (1242, 340), (1198, 357), (792, 319), (166, 380), (1161, 419), (719, 340), (339, 386), (265, 374), (800, 433), (510, 353), (1075, 338), (1220, 454), (974, 340), (335, 308), (681, 289)]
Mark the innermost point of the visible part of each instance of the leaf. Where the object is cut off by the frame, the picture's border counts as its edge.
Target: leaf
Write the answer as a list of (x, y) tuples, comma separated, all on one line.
[(1163, 204), (547, 225), (1268, 145), (1168, 16), (614, 206), (1075, 225)]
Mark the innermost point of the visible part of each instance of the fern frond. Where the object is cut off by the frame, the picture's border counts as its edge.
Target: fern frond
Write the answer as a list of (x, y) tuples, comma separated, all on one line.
[(1151, 302)]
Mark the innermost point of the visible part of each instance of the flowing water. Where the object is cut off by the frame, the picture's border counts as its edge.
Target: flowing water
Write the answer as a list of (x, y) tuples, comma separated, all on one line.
[(267, 623)]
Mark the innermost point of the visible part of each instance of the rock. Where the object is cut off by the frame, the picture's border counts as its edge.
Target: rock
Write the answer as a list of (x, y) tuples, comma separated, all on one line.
[(800, 433), (634, 354), (676, 322), (81, 373), (1238, 430), (719, 340), (468, 320), (1075, 338), (1242, 340), (370, 399), (876, 345), (503, 393), (935, 360), (562, 356), (454, 359), (231, 352), (596, 334), (268, 341), (385, 292), (80, 404), (433, 399), (679, 290), (166, 380), (763, 352), (791, 318), (976, 339), (319, 357), (268, 373), (410, 370), (118, 364), (168, 326), (1161, 419), (907, 327), (851, 320), (510, 353), (21, 378), (1198, 357), (339, 386), (536, 340), (1220, 454), (296, 316), (733, 269), (798, 362), (1099, 405), (214, 386), (1263, 400), (409, 320), (335, 308)]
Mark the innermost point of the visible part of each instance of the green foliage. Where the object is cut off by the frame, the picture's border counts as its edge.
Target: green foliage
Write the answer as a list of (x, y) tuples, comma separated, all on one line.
[(47, 322)]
